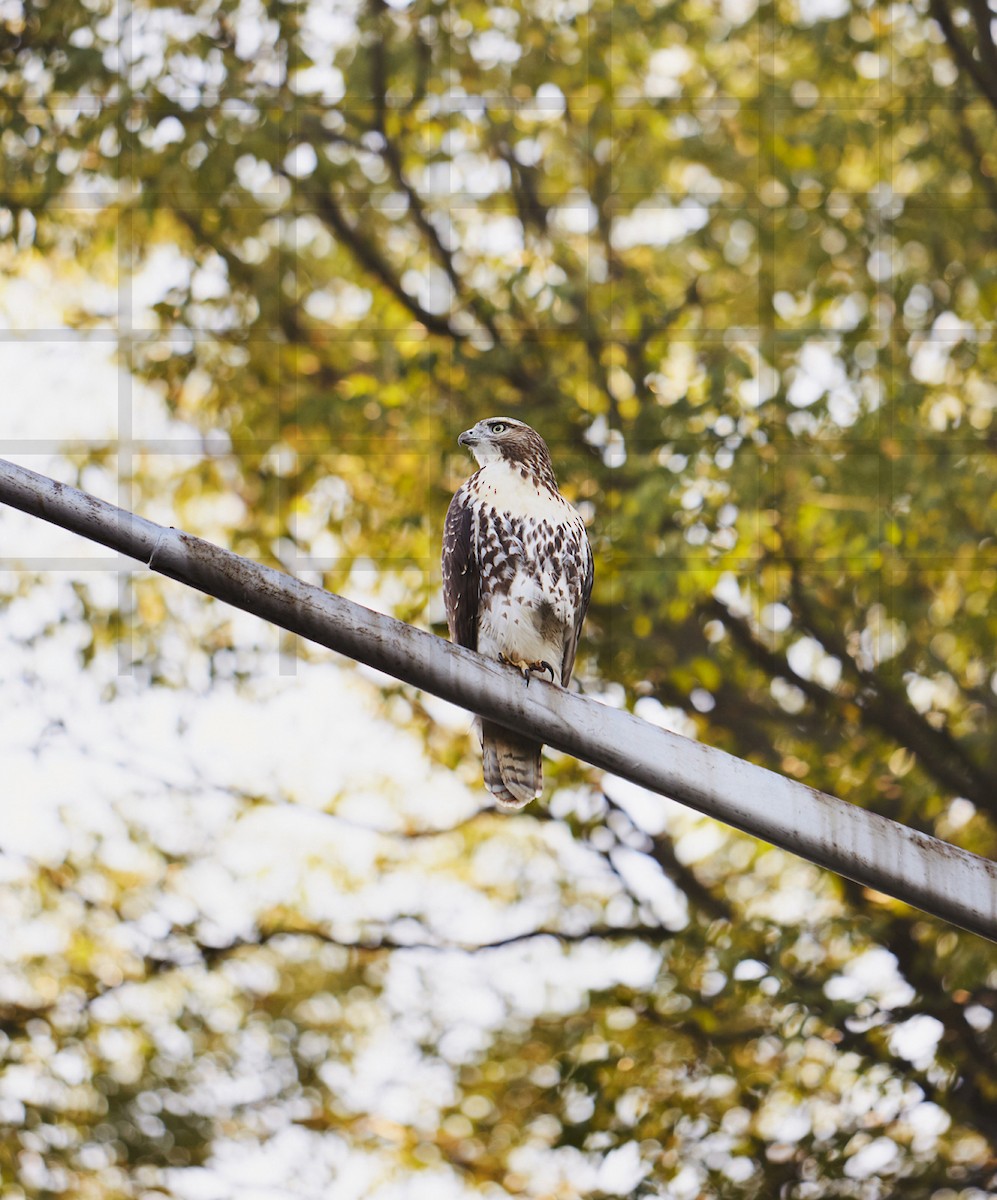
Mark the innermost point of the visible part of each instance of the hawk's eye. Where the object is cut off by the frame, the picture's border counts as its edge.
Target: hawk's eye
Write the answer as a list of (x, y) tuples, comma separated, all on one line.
[(499, 427)]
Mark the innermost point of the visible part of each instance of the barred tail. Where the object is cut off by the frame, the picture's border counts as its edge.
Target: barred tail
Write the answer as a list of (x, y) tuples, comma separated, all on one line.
[(512, 769)]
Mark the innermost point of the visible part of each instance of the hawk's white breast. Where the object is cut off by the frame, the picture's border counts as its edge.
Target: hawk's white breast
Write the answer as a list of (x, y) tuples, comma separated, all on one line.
[(505, 487), (531, 549)]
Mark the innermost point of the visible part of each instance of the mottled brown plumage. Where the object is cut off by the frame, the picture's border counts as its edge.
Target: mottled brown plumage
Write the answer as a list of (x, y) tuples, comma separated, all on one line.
[(517, 576)]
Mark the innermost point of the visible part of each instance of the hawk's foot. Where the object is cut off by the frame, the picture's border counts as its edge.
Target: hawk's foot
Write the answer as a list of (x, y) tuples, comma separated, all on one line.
[(540, 667)]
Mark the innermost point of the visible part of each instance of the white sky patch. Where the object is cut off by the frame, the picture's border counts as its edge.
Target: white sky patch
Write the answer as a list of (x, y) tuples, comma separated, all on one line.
[(209, 280), (549, 103), (782, 1118), (576, 214), (614, 454), (687, 1183), (728, 591), (302, 161), (930, 360), (699, 842), (649, 884), (143, 40), (655, 224), (25, 303), (818, 371), (255, 34), (873, 973), (496, 237), (776, 617), (700, 183), (843, 407), (917, 1038), (394, 1079), (928, 1122), (326, 83), (430, 287), (568, 1171), (812, 11), (621, 1170), (926, 694), (665, 71), (294, 1163), (883, 638), (467, 173), (793, 896), (256, 176), (871, 66), (878, 1157), (492, 48), (810, 660), (669, 717), (327, 28), (54, 397), (340, 302), (880, 264), (762, 385), (738, 11), (528, 151), (164, 270), (651, 813), (169, 131)]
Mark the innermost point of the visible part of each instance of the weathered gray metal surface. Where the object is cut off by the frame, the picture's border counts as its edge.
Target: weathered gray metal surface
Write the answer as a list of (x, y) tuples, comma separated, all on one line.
[(872, 850)]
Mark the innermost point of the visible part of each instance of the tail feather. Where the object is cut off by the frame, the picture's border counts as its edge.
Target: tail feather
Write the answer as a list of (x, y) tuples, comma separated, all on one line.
[(512, 769)]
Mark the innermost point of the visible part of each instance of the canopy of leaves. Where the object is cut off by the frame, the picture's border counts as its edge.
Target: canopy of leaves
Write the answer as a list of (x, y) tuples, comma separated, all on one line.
[(738, 263)]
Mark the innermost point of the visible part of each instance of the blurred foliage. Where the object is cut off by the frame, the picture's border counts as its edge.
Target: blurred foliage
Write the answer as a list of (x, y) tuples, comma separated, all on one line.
[(738, 263)]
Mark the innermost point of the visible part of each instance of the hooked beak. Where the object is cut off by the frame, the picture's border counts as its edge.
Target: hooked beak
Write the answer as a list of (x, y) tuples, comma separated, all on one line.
[(467, 438)]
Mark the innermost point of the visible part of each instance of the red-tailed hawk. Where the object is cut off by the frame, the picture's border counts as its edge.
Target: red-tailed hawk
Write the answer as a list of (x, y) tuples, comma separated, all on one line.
[(517, 576)]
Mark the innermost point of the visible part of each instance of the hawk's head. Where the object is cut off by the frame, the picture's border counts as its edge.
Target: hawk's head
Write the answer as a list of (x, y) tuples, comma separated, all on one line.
[(504, 439)]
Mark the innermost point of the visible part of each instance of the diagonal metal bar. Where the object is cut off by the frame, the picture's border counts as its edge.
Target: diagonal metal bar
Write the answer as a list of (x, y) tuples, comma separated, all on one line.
[(930, 874)]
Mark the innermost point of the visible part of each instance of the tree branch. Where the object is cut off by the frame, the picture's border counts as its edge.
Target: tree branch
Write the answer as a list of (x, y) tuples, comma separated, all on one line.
[(660, 850), (889, 708), (373, 261), (287, 312), (983, 17), (962, 53), (385, 943)]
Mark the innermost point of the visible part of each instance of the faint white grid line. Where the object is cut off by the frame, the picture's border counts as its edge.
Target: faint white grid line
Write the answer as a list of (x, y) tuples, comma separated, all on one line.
[(125, 230), (287, 659), (22, 562)]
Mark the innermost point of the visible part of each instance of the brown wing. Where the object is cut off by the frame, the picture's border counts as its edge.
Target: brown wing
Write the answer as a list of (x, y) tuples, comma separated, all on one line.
[(460, 572), (583, 579)]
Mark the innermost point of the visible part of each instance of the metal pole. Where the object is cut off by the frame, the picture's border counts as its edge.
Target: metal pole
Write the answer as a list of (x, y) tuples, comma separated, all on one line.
[(874, 851)]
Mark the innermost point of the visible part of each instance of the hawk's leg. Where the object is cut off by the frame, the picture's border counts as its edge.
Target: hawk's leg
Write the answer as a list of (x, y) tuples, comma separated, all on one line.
[(540, 667)]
